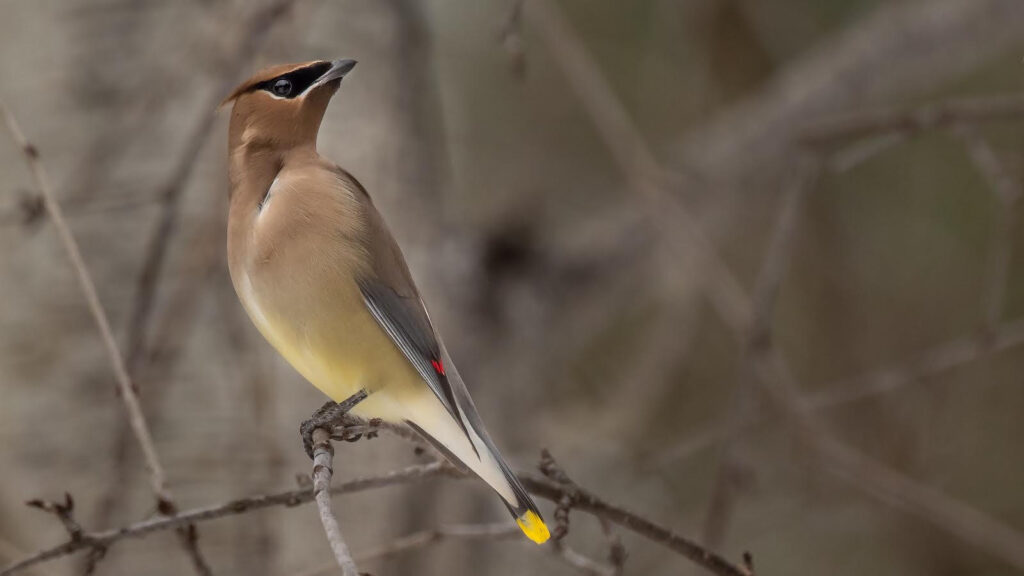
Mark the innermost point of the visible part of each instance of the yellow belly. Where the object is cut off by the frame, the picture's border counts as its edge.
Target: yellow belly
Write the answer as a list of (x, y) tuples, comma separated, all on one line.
[(340, 349)]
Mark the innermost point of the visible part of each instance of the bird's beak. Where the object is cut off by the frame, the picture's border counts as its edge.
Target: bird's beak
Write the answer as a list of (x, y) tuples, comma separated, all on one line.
[(337, 71)]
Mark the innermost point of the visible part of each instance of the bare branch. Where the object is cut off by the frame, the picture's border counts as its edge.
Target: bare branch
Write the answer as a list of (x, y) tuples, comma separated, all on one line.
[(424, 538), (323, 455), (616, 550), (558, 487), (133, 410), (901, 374), (124, 383), (581, 562), (250, 38), (231, 508), (252, 34), (899, 46), (884, 484), (849, 157), (913, 120), (470, 532), (63, 511), (681, 231), (1008, 192), (884, 380), (773, 270), (725, 293), (545, 487), (540, 486)]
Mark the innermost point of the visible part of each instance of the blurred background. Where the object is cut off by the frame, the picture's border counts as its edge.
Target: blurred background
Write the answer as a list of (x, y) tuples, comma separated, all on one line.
[(650, 245)]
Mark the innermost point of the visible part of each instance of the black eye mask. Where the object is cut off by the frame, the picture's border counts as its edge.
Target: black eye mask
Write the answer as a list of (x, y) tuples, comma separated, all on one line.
[(295, 82)]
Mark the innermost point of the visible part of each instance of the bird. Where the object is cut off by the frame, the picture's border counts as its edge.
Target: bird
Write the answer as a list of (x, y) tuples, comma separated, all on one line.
[(320, 275)]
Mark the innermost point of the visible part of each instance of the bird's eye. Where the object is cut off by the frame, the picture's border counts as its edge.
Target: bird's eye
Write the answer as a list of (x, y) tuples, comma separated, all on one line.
[(282, 87)]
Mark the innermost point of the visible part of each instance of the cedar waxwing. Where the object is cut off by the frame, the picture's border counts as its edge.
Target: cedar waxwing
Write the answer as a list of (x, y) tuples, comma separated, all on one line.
[(322, 279)]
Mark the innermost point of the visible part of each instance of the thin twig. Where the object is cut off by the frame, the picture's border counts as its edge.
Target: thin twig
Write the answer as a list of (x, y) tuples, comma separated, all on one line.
[(287, 498), (131, 402), (426, 537), (323, 456), (470, 532), (773, 270), (900, 46), (540, 486), (590, 503), (133, 409), (616, 550), (896, 376), (913, 120), (647, 178), (725, 293), (884, 380), (558, 487), (251, 37), (64, 511), (886, 485), (1008, 192), (860, 151), (628, 147), (579, 561), (543, 487)]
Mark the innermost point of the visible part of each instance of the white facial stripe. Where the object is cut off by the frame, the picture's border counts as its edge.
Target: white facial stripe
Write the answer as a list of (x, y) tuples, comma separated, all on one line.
[(299, 95)]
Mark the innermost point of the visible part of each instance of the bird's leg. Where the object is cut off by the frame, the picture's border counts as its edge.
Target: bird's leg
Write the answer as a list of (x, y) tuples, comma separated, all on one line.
[(326, 417)]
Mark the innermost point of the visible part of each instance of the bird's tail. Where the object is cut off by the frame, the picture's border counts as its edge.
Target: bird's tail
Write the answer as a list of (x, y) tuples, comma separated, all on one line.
[(525, 509), (484, 460)]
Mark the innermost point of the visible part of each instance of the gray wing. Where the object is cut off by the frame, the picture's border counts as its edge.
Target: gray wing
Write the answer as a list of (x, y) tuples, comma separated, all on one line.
[(405, 321), (392, 299)]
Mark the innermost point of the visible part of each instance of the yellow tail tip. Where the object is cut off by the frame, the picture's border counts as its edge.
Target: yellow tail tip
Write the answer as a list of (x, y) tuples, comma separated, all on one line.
[(534, 528)]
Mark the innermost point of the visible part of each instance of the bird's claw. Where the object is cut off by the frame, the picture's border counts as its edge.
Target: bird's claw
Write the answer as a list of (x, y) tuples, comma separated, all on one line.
[(355, 431), (326, 417)]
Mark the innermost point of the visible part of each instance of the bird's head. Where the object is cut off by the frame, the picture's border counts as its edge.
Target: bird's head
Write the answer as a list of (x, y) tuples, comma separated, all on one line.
[(282, 106)]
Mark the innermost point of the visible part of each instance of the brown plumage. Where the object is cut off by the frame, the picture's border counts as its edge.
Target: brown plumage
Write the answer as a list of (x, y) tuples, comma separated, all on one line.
[(320, 275)]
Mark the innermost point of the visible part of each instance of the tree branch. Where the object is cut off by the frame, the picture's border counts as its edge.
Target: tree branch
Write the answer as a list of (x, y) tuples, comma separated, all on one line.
[(845, 127), (728, 298), (901, 374), (884, 484), (287, 498), (773, 270), (540, 486), (424, 538), (323, 456), (898, 45), (251, 37), (559, 488), (126, 389), (131, 402), (682, 232), (473, 532), (1007, 192)]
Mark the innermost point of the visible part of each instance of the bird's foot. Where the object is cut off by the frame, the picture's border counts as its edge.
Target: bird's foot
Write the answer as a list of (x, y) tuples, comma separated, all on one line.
[(353, 429), (327, 417)]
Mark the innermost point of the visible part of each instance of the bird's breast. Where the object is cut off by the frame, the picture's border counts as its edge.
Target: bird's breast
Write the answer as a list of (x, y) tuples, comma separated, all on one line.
[(295, 272)]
